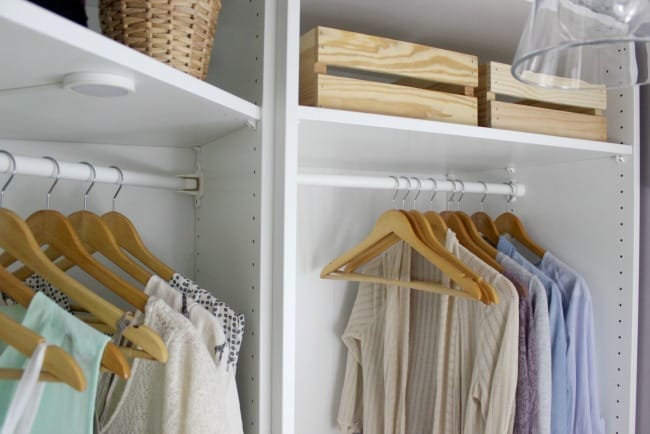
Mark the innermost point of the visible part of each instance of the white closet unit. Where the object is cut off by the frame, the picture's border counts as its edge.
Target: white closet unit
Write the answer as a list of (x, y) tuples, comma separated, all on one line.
[(581, 198), (258, 237), (173, 124)]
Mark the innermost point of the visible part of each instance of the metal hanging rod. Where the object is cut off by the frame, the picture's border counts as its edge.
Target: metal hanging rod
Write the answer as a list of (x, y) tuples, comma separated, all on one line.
[(80, 172), (388, 183)]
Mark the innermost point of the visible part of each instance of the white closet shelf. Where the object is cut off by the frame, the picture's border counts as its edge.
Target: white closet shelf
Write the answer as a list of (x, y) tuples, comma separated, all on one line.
[(168, 107), (336, 139)]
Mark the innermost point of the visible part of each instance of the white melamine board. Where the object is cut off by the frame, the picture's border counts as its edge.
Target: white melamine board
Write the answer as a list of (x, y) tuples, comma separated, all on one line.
[(164, 218), (168, 108), (228, 255), (584, 214), (360, 141), (490, 29)]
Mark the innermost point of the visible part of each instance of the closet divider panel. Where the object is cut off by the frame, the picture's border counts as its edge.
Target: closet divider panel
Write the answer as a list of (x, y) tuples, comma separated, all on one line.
[(229, 243), (163, 218)]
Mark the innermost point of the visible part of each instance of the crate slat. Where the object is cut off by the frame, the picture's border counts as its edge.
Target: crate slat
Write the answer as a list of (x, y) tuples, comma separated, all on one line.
[(519, 117), (499, 80), (361, 52), (373, 97)]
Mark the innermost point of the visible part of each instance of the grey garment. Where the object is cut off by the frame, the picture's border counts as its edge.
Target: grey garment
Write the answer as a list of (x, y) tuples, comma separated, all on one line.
[(232, 322), (540, 337), (38, 284)]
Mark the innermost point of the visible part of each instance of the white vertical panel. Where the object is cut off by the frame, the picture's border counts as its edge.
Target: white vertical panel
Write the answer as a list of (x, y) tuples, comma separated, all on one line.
[(228, 249)]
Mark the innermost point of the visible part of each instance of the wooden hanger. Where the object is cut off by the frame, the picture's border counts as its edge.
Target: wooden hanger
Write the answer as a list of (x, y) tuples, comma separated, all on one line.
[(17, 240), (473, 232), (510, 223), (396, 226), (59, 364), (455, 224), (438, 225), (97, 237), (425, 232), (128, 238), (112, 359), (486, 226)]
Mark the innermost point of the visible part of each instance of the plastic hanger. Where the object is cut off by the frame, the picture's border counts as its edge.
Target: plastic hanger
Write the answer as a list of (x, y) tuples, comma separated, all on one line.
[(97, 237), (17, 240), (391, 227), (52, 228), (484, 222), (58, 365), (510, 224), (129, 239)]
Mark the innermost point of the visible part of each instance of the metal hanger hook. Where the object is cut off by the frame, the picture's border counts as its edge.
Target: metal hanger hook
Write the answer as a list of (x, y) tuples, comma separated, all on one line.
[(419, 191), (435, 191), (119, 171), (451, 198), (92, 182), (56, 181), (11, 177), (485, 190), (408, 191), (462, 193)]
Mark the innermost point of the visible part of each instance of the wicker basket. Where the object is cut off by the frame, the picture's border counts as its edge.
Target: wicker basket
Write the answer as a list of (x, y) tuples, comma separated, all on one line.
[(177, 32)]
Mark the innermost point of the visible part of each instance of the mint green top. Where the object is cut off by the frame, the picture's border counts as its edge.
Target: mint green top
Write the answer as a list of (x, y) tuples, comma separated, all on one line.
[(62, 409)]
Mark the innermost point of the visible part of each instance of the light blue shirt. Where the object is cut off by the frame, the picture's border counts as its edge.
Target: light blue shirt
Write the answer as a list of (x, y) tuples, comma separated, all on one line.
[(559, 388), (62, 409), (584, 401)]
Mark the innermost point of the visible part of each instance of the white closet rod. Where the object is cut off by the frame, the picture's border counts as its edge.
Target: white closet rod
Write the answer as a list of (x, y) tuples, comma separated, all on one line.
[(80, 172), (388, 183)]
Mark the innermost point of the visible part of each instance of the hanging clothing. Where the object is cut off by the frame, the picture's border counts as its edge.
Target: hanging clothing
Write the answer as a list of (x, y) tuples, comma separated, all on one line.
[(559, 386), (527, 405), (37, 283), (27, 396), (214, 339), (180, 396), (377, 338), (62, 409), (232, 322), (584, 401), (541, 337)]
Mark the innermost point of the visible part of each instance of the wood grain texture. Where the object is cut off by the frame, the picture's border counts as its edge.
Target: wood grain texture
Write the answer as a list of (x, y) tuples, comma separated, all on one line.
[(372, 97), (507, 116), (382, 55), (500, 81)]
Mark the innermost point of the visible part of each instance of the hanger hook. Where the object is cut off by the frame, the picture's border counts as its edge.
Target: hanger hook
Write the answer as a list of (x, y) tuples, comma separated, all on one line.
[(11, 177), (513, 189), (57, 176), (435, 191), (451, 198), (485, 190), (92, 182), (119, 171), (408, 191), (419, 191), (462, 193)]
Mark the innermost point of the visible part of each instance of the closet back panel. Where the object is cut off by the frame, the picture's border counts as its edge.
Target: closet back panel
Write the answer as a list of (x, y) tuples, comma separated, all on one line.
[(579, 211), (228, 257), (164, 218)]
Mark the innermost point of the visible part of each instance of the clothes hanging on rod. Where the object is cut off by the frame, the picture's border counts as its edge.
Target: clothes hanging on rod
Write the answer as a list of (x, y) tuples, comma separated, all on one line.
[(421, 362)]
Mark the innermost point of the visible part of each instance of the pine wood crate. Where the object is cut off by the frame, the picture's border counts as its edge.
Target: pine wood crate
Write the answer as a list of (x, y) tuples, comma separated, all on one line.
[(567, 113), (386, 76)]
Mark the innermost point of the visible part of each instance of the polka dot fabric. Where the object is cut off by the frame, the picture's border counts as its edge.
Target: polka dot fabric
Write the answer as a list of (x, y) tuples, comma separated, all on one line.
[(231, 321), (38, 284)]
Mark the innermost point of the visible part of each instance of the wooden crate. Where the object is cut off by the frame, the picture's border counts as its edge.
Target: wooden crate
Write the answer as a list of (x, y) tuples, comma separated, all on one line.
[(567, 113), (352, 71)]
